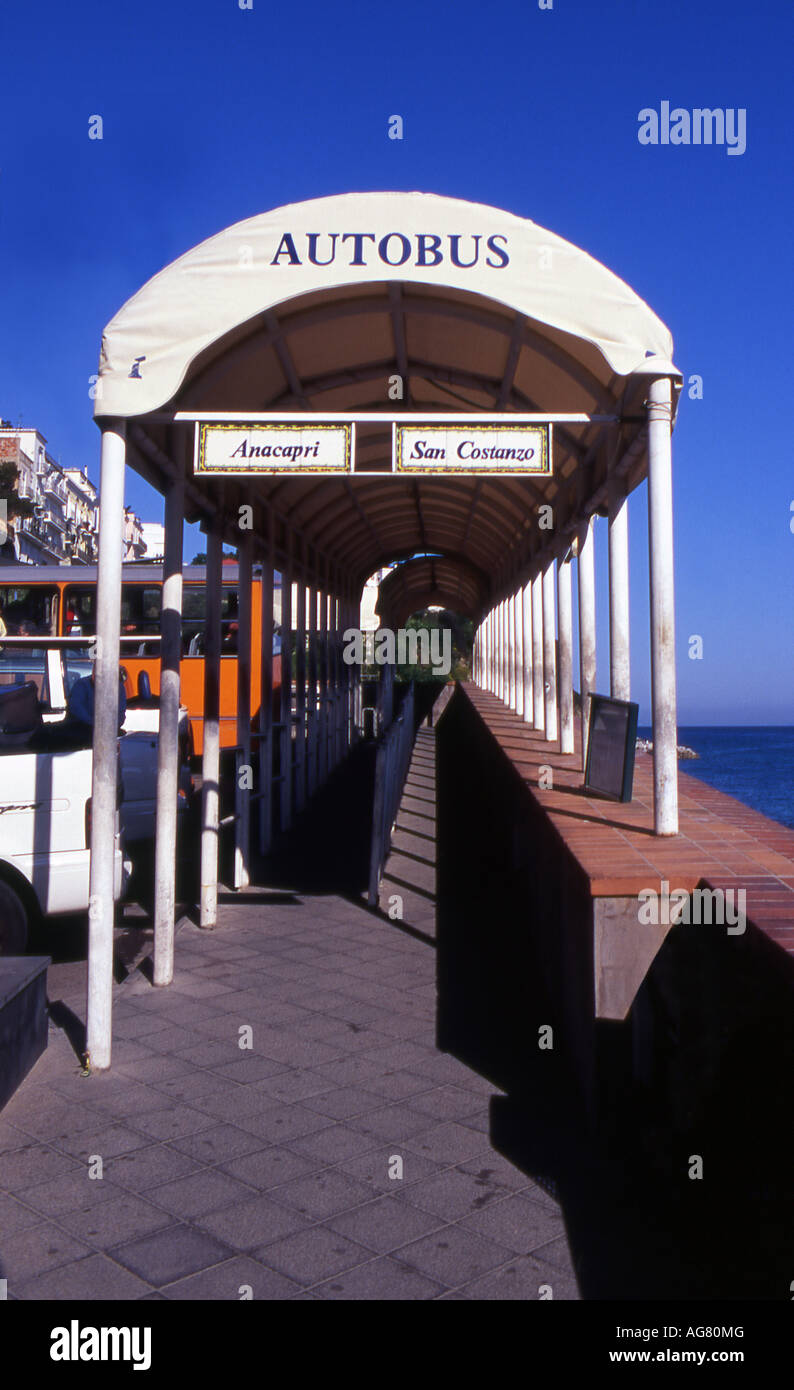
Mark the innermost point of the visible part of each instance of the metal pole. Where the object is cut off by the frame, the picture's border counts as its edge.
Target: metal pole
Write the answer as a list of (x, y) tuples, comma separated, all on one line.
[(537, 653), (210, 764), (286, 690), (99, 1004), (549, 653), (566, 655), (587, 628), (619, 660), (660, 545), (266, 700), (526, 647), (168, 737), (242, 791)]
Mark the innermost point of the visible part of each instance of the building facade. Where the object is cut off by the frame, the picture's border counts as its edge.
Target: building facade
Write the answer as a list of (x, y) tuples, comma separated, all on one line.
[(64, 523)]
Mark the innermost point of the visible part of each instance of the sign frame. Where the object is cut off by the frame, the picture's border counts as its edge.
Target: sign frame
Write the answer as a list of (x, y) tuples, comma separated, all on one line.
[(542, 428), (272, 470), (621, 786)]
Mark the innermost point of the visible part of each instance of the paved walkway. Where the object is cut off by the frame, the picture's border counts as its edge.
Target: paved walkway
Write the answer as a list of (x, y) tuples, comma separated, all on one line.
[(339, 1156)]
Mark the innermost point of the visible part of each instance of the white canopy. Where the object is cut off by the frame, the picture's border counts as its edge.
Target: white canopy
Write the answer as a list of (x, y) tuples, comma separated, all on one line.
[(355, 240)]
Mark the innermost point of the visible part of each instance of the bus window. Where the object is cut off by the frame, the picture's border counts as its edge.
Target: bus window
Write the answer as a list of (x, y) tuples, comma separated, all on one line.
[(194, 611), (79, 612), (29, 609)]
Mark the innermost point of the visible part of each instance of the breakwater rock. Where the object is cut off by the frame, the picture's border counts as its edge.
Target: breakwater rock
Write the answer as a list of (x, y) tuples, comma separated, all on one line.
[(645, 745)]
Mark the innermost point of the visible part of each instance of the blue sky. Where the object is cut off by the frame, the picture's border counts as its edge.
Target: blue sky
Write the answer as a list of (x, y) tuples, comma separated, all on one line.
[(212, 113)]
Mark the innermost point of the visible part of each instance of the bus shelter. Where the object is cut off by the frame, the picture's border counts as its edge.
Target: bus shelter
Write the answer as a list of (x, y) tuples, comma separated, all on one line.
[(314, 385)]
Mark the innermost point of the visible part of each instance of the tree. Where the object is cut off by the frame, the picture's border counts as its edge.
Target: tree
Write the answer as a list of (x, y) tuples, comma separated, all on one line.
[(200, 559)]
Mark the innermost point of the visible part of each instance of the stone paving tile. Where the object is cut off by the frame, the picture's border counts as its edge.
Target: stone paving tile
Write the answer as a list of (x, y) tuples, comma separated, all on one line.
[(37, 1250), (51, 1121), (14, 1216), (114, 1222), (313, 1255), (453, 1256), (516, 1222), (207, 1190), (344, 1102), (95, 1277), (174, 1122), (225, 1281), (322, 1194), (281, 1123), (452, 1194), (144, 1168), (73, 1191), (170, 1254), (384, 1279), (289, 1086), (108, 1141), (330, 1146), (449, 1143), (218, 1144), (373, 1168), (270, 1167), (191, 1087), (448, 1103), (384, 1224), (259, 1221), (33, 1163), (523, 1279)]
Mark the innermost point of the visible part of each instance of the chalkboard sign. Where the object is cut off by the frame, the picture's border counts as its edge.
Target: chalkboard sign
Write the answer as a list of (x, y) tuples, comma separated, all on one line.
[(609, 770)]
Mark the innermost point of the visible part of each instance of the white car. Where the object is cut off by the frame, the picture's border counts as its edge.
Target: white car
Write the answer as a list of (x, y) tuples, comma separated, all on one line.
[(45, 790)]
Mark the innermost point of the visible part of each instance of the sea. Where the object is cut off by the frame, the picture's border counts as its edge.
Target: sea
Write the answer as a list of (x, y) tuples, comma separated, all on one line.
[(754, 764)]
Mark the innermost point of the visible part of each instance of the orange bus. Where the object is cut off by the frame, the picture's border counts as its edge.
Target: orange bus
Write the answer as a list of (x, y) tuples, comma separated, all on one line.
[(60, 600)]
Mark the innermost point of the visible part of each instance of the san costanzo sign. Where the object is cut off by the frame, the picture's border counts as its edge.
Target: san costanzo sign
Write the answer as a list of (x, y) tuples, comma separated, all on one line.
[(479, 448), (475, 448)]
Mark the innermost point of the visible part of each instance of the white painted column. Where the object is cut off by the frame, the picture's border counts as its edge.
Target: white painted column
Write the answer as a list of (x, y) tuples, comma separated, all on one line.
[(312, 626), (285, 715), (565, 622), (526, 649), (503, 650), (324, 669), (587, 627), (300, 597), (518, 651), (549, 654), (210, 763), (510, 614), (168, 737), (242, 793), (619, 660), (266, 699), (538, 699), (99, 1004), (660, 544), (487, 671)]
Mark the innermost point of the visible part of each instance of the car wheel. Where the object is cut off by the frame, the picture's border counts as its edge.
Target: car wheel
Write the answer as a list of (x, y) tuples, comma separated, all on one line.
[(13, 922)]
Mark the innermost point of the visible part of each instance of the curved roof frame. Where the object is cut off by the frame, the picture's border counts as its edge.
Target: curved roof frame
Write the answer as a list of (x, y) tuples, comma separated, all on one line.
[(495, 339)]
